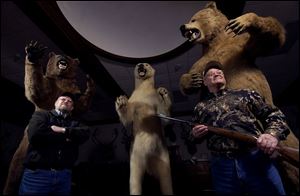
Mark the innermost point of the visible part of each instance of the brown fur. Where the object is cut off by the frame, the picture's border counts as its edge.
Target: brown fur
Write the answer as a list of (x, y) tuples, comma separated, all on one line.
[(43, 90), (237, 54), (148, 150)]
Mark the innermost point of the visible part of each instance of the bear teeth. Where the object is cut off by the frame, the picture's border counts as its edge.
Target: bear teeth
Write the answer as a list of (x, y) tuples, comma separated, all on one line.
[(60, 66), (192, 34), (195, 35), (142, 74)]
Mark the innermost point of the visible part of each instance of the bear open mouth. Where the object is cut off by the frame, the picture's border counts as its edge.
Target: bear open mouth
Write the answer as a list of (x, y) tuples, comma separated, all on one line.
[(62, 64), (192, 34), (142, 72)]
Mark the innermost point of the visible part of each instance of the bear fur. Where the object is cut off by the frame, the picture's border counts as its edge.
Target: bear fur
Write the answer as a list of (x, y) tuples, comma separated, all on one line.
[(236, 44), (43, 90), (148, 150)]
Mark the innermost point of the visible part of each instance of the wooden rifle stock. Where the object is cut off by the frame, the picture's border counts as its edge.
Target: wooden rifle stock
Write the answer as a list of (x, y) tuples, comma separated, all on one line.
[(288, 154)]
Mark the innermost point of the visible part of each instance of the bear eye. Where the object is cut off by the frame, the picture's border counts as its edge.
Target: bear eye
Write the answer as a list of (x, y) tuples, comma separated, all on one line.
[(193, 20)]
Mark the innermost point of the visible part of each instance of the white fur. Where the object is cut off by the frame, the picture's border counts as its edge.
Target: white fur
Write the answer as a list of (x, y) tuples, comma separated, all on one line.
[(148, 150)]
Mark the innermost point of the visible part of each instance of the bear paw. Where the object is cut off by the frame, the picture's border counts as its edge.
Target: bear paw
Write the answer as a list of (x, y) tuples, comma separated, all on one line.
[(34, 51), (162, 92), (121, 103), (241, 24), (191, 83)]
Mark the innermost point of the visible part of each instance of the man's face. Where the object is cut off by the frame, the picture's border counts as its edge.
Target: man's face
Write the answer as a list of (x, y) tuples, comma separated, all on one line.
[(64, 103), (214, 78)]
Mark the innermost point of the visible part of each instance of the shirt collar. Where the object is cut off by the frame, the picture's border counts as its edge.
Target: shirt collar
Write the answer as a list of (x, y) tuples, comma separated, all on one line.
[(217, 94), (59, 113)]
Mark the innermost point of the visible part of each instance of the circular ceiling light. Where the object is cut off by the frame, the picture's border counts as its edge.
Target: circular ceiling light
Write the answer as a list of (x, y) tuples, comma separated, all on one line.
[(134, 29)]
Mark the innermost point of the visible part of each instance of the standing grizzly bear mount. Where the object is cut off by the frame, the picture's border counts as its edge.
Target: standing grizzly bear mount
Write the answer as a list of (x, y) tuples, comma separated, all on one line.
[(235, 44), (43, 90), (148, 150)]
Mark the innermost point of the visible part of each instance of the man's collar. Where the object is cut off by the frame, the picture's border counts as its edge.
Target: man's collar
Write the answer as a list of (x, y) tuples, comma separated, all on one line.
[(59, 113), (217, 94)]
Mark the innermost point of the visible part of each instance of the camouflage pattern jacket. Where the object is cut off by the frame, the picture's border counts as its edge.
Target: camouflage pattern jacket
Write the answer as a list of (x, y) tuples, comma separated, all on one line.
[(244, 111)]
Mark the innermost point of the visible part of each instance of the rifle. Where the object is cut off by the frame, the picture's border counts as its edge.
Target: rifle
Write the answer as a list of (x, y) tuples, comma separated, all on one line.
[(288, 154)]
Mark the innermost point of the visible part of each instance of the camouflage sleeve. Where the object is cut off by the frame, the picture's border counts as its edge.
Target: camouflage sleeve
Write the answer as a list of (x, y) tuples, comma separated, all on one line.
[(272, 119), (196, 118)]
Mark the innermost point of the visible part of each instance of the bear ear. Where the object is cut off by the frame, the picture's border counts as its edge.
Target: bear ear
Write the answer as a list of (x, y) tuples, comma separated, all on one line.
[(211, 5), (77, 61), (51, 54)]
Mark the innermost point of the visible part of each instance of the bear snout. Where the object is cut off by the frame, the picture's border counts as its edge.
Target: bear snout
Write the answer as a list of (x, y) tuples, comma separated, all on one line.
[(141, 68), (183, 30)]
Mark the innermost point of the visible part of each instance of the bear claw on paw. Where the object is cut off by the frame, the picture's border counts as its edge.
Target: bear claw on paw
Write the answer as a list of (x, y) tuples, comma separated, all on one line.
[(121, 101), (162, 91)]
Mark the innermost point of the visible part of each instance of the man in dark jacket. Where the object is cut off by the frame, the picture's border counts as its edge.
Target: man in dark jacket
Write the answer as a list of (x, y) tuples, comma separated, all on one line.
[(54, 138)]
